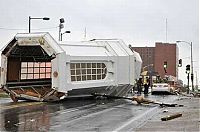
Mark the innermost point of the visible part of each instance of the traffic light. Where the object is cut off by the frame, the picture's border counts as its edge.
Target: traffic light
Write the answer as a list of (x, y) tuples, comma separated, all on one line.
[(165, 64), (188, 69), (180, 63)]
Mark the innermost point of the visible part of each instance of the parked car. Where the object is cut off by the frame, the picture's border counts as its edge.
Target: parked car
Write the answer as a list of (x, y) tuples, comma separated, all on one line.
[(161, 87)]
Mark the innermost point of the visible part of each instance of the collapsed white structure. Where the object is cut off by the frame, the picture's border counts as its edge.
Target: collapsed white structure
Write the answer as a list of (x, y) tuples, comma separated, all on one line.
[(34, 66)]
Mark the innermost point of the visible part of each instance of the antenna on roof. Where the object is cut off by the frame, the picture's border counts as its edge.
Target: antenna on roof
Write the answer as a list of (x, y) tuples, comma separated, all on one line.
[(85, 33), (166, 30)]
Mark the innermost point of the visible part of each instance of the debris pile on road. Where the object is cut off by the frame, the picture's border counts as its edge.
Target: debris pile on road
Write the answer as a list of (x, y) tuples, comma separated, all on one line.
[(197, 95), (192, 94), (138, 99)]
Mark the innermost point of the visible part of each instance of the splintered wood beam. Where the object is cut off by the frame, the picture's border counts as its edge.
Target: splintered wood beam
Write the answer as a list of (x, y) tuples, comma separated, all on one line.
[(169, 117)]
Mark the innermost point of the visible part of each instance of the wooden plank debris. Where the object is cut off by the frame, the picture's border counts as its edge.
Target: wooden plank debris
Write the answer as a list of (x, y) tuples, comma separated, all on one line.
[(173, 116)]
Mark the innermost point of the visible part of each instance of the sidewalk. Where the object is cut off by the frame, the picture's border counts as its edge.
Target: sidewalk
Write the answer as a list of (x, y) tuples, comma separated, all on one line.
[(188, 122)]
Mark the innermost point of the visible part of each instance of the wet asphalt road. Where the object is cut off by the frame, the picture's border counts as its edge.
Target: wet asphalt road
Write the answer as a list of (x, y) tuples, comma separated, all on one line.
[(78, 115)]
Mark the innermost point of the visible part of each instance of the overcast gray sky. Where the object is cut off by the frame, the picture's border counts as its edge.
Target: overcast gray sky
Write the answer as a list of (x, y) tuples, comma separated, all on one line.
[(137, 22)]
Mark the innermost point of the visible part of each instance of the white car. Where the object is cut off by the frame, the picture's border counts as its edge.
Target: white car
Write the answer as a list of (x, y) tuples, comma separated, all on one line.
[(161, 87)]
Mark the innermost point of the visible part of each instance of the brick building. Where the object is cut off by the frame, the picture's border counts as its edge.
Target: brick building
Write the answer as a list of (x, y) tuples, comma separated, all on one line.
[(153, 58), (166, 52), (148, 57)]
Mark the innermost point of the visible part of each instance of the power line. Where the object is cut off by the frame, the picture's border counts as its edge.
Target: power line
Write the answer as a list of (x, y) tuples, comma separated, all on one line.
[(45, 28), (3, 28), (166, 30)]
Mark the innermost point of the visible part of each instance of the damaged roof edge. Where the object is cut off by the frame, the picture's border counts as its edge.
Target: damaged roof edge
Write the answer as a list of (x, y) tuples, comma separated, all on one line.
[(7, 48), (44, 39), (42, 35), (37, 34)]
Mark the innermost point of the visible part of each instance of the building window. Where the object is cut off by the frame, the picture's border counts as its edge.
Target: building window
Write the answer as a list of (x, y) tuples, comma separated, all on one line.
[(35, 70), (87, 71)]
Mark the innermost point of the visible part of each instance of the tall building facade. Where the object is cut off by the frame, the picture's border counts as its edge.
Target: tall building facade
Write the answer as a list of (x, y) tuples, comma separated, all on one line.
[(148, 57), (154, 57), (166, 52)]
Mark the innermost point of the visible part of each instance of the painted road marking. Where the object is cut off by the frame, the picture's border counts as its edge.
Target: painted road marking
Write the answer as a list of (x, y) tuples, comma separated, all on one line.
[(135, 119), (85, 116)]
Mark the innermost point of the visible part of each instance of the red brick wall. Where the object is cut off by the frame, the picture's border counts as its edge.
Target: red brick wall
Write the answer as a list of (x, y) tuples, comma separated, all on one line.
[(166, 52), (147, 55)]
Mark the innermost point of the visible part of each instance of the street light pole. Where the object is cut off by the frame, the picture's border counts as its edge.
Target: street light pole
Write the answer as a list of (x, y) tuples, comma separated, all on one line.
[(61, 34), (192, 74), (29, 24), (61, 26), (29, 21), (188, 78)]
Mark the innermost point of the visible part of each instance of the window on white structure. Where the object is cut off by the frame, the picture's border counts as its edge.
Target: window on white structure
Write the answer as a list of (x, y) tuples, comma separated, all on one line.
[(87, 71), (35, 70)]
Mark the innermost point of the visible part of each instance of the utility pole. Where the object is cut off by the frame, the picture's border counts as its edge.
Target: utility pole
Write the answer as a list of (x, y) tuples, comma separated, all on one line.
[(196, 81), (29, 24), (192, 74), (60, 27), (30, 18), (61, 34), (85, 33), (188, 87), (166, 30), (188, 77)]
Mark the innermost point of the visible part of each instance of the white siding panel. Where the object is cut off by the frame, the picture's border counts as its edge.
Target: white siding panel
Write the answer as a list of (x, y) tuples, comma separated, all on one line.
[(123, 70), (86, 50), (4, 61), (131, 69), (137, 65), (59, 66), (117, 48)]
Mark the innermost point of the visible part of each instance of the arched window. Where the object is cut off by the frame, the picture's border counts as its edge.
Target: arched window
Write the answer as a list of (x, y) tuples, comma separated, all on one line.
[(87, 71), (35, 70)]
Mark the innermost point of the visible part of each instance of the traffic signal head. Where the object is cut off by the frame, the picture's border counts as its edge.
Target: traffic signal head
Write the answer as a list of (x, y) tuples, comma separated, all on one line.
[(188, 69), (180, 63), (165, 64)]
